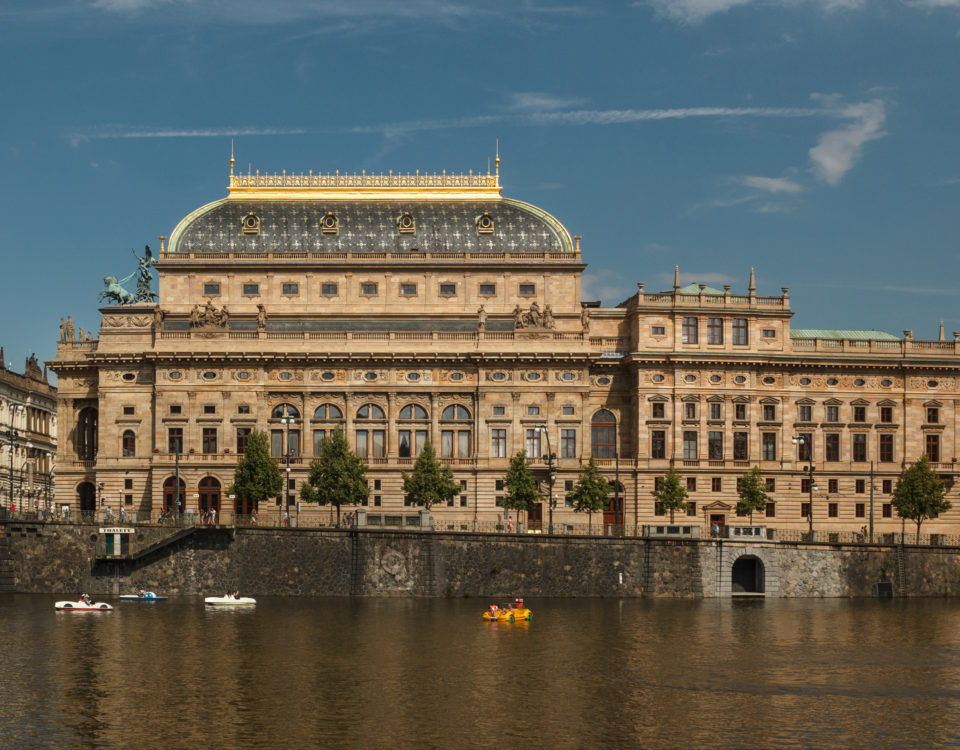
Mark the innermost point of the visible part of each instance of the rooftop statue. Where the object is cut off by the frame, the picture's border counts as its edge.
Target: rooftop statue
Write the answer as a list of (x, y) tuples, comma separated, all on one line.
[(144, 275), (113, 292)]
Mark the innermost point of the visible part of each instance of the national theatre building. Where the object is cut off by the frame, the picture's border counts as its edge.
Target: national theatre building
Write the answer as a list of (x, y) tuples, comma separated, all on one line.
[(406, 308)]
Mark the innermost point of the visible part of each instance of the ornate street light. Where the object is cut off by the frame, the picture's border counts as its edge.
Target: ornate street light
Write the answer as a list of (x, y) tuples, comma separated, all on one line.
[(550, 457), (286, 420), (799, 440)]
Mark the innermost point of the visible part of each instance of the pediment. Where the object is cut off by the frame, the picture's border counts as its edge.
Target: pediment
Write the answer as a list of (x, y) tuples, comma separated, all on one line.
[(657, 398), (690, 398), (887, 402), (769, 400), (718, 505), (714, 399), (860, 402), (805, 402), (932, 403), (741, 400), (833, 402)]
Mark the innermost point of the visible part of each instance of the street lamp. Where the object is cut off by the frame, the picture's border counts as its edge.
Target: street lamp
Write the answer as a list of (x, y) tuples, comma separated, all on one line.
[(799, 440), (550, 457), (286, 420), (12, 435)]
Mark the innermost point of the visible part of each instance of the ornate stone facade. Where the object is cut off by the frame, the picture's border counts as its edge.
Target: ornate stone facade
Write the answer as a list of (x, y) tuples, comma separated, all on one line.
[(406, 308)]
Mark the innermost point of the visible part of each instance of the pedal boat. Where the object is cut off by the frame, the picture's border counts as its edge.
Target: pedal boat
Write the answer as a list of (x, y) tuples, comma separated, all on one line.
[(81, 606), (149, 596), (230, 601), (495, 614)]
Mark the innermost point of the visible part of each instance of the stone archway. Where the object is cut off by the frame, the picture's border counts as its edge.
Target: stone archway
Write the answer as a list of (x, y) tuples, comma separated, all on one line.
[(747, 576), (87, 497)]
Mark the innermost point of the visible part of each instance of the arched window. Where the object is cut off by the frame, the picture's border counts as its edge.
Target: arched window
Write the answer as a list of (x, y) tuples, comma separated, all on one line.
[(87, 434), (209, 494), (455, 439), (413, 411), (129, 447), (285, 410), (455, 411), (371, 443), (603, 435), (325, 413), (170, 496)]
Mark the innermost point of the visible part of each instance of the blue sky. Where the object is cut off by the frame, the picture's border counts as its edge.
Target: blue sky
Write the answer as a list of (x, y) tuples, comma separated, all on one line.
[(816, 140)]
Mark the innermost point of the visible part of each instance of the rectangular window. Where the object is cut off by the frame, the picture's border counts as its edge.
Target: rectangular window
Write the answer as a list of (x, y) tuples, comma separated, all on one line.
[(211, 290), (276, 443), (833, 485), (209, 443), (769, 413), (831, 443), (658, 409), (716, 484), (463, 501), (175, 408), (859, 446), (499, 485), (658, 444), (128, 410), (715, 446), (129, 445), (860, 486), (175, 439), (528, 290), (886, 414), (689, 411), (716, 411), (446, 443), (860, 510), (691, 484), (448, 290), (805, 486), (362, 444), (691, 509), (887, 486), (690, 445), (243, 409), (533, 411), (833, 413), (887, 510), (499, 411), (567, 411), (740, 335), (372, 443), (714, 330), (658, 509), (771, 510), (886, 447), (804, 413), (568, 443), (209, 409), (804, 510), (498, 443), (859, 413), (933, 415), (932, 443), (408, 290), (488, 290), (368, 288), (832, 510), (769, 333), (128, 499), (251, 290), (690, 331), (318, 437), (741, 446), (769, 446), (292, 290), (243, 434), (771, 484), (293, 447), (463, 443), (128, 484), (804, 447), (533, 444), (658, 331), (740, 412)]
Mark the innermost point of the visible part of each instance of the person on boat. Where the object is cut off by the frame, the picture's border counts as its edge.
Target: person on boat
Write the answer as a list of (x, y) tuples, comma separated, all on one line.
[(518, 603), (85, 598), (141, 593)]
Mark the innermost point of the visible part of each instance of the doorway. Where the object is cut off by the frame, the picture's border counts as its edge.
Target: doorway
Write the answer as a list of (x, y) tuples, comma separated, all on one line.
[(747, 576), (719, 520), (209, 494)]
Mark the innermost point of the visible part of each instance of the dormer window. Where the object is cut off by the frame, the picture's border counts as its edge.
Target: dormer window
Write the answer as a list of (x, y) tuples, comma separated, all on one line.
[(250, 224), (329, 224), (485, 223), (406, 224)]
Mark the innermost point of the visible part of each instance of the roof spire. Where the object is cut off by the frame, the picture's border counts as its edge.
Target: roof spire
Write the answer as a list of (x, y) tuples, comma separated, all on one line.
[(232, 160), (496, 162), (676, 278), (941, 330), (753, 282)]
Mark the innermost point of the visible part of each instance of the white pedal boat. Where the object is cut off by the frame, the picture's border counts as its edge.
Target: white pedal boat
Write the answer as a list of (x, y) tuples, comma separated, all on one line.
[(230, 601), (80, 605)]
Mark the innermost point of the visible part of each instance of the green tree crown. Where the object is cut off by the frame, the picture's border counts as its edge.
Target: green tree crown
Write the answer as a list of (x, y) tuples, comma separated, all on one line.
[(257, 476), (338, 476), (431, 482), (520, 485), (752, 493), (672, 495), (591, 493), (920, 494)]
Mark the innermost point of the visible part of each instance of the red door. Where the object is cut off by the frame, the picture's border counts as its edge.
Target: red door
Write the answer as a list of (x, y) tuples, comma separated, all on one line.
[(718, 520)]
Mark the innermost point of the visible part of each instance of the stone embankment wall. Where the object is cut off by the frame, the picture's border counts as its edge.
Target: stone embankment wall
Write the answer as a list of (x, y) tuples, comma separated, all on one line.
[(62, 558)]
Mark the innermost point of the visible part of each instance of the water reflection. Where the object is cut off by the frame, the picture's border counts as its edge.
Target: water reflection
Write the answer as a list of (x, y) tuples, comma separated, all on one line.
[(398, 673)]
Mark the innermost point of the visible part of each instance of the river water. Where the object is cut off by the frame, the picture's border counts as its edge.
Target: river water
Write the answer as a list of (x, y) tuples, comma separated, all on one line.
[(388, 673)]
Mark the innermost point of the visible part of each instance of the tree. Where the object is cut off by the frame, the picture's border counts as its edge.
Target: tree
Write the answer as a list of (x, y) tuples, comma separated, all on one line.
[(431, 481), (752, 492), (591, 492), (520, 485), (257, 476), (338, 476), (671, 494), (920, 494)]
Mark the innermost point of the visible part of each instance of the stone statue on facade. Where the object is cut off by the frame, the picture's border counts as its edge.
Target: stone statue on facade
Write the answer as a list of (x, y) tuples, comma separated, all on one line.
[(261, 317), (533, 318), (114, 292), (548, 321), (69, 334), (585, 319), (157, 318), (80, 336), (481, 319), (144, 275), (63, 330), (209, 316)]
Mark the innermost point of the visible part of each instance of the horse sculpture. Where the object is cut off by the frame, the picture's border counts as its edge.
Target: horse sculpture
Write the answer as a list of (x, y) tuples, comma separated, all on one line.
[(113, 292)]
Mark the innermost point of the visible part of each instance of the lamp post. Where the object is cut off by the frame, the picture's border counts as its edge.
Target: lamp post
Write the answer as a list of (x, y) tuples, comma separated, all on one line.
[(286, 420), (799, 440), (550, 457), (12, 435)]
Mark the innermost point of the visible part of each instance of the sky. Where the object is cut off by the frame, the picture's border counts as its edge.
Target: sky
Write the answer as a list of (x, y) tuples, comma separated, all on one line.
[(815, 140)]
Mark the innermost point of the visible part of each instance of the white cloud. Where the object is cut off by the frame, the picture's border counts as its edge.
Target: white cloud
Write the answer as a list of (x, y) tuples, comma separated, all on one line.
[(605, 285), (837, 151), (694, 11), (538, 101), (771, 184)]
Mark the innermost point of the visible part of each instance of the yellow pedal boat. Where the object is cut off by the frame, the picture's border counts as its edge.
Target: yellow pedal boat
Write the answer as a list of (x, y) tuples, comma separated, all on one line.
[(516, 613)]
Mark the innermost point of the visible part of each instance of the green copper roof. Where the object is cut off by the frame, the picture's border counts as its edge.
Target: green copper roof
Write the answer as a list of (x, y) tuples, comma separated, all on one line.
[(826, 333), (695, 289)]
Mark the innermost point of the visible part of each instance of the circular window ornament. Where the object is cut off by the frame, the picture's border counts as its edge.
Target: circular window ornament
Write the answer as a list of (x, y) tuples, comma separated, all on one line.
[(932, 384), (533, 376), (285, 375), (740, 379), (804, 381), (327, 375), (658, 378), (603, 381), (370, 376), (243, 375), (209, 375), (769, 380), (886, 382), (456, 376), (714, 378), (859, 381), (414, 376), (174, 374), (499, 376), (129, 377), (832, 381), (568, 376), (690, 378)]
